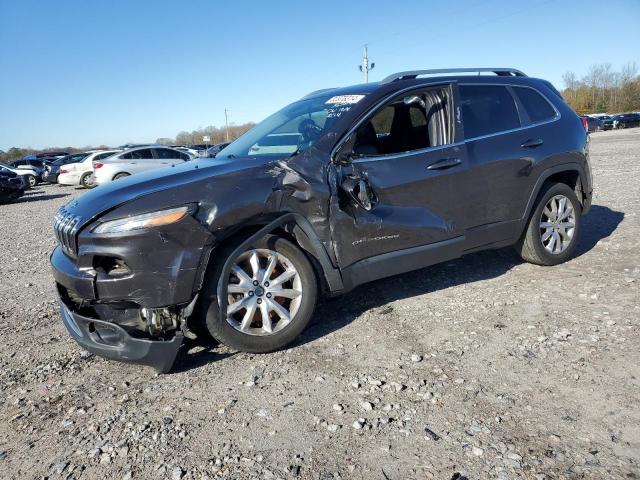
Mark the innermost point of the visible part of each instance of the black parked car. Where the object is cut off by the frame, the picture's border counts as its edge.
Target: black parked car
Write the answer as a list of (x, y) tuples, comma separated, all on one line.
[(52, 154), (12, 186), (594, 124), (52, 169), (213, 150), (377, 180), (626, 120)]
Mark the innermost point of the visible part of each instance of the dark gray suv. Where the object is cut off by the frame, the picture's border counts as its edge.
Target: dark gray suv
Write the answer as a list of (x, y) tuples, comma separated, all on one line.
[(342, 187)]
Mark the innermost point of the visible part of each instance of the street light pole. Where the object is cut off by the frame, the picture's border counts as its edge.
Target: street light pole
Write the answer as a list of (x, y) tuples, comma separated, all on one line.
[(226, 122)]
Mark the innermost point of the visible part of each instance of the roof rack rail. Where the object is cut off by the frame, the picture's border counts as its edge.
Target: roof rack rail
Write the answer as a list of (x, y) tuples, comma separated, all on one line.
[(501, 72)]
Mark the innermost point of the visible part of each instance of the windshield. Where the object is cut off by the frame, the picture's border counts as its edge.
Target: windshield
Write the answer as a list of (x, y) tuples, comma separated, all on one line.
[(293, 129)]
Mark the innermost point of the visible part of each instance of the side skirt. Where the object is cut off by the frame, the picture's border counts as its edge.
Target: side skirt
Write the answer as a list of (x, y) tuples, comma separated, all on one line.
[(401, 261)]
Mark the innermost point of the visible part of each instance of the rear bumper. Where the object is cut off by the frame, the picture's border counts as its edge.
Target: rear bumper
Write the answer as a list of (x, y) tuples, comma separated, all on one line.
[(69, 179), (113, 342)]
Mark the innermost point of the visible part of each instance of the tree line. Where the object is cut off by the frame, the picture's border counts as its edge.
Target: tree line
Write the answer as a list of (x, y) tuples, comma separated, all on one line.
[(215, 134), (603, 89)]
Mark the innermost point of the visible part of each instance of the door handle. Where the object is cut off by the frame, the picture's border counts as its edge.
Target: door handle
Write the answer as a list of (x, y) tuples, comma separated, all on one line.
[(532, 143), (444, 163)]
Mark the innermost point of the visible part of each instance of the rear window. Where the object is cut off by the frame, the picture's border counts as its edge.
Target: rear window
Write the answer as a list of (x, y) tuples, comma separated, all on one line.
[(487, 109), (537, 107)]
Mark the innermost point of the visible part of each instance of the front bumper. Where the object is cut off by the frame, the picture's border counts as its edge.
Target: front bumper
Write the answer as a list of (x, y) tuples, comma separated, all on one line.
[(112, 341)]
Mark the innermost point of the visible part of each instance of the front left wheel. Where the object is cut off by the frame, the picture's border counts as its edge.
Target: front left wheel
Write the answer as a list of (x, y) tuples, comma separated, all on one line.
[(271, 295)]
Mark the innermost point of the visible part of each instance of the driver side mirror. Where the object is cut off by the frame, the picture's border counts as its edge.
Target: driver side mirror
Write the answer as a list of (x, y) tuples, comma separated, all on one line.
[(359, 191)]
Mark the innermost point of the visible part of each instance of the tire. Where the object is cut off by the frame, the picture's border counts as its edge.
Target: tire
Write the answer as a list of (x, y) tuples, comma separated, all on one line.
[(118, 176), (31, 181), (532, 247), (86, 181), (256, 338)]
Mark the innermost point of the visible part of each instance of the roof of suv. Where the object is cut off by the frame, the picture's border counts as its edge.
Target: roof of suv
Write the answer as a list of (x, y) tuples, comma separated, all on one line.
[(417, 77)]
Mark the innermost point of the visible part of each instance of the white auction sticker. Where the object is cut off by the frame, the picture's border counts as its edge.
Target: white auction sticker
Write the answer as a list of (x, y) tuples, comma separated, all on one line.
[(345, 99)]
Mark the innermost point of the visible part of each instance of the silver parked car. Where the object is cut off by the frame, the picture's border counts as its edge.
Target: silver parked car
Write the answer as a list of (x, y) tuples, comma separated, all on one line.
[(136, 160)]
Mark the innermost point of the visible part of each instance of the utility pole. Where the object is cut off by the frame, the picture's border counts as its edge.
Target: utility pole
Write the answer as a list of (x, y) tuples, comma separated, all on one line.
[(226, 122), (365, 68)]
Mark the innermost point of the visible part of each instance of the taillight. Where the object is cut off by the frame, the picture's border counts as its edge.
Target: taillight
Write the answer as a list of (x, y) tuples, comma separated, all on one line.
[(585, 124), (62, 170), (97, 165)]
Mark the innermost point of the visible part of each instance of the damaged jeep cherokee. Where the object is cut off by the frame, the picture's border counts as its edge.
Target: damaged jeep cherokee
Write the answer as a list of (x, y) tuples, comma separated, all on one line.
[(345, 186)]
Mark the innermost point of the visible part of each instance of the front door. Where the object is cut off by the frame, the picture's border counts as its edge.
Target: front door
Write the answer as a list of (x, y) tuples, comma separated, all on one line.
[(402, 176)]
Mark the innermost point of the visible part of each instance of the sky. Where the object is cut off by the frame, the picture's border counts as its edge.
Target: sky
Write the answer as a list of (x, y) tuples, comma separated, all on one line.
[(80, 73)]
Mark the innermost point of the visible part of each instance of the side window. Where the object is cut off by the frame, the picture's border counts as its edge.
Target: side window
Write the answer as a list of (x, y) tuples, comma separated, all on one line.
[(487, 109), (126, 156), (185, 157), (104, 155), (535, 104), (166, 154), (143, 154), (410, 122)]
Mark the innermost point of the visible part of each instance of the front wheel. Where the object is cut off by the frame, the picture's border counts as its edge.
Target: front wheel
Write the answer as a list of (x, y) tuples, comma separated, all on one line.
[(553, 228), (32, 181), (271, 294)]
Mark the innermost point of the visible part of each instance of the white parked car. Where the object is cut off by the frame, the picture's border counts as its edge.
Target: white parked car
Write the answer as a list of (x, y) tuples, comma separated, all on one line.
[(81, 173), (136, 160), (28, 174)]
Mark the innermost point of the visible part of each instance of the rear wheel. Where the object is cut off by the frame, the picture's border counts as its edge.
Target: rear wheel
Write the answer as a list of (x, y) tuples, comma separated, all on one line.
[(552, 231), (32, 181), (87, 180), (271, 295), (120, 175)]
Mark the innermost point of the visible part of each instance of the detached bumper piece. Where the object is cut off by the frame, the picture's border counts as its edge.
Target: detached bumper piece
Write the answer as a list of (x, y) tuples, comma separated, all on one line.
[(112, 341)]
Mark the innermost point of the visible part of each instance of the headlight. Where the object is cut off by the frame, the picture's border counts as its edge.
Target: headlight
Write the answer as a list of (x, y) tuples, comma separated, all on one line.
[(147, 220)]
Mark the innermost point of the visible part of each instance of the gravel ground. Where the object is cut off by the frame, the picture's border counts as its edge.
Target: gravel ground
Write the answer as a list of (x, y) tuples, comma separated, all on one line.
[(484, 367)]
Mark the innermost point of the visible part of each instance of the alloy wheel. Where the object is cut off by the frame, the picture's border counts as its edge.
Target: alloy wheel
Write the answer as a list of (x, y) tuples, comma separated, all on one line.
[(557, 224), (264, 292)]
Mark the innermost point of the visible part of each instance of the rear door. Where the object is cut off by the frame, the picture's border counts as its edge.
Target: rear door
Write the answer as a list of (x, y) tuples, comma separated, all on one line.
[(401, 175), (499, 153), (140, 160)]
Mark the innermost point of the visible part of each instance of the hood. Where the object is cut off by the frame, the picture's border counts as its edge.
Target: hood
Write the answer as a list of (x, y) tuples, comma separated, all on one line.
[(106, 197)]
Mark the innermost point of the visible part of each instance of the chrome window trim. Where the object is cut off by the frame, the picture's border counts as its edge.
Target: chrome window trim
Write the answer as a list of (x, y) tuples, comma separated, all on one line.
[(343, 139), (408, 153)]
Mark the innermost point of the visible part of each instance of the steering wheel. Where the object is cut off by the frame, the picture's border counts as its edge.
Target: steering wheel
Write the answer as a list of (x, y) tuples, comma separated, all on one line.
[(309, 130)]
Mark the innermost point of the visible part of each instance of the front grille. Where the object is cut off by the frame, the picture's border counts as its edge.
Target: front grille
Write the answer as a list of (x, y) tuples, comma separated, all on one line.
[(65, 226)]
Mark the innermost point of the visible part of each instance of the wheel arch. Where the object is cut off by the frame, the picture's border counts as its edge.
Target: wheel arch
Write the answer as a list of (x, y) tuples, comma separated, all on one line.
[(571, 174), (291, 226), (113, 177)]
